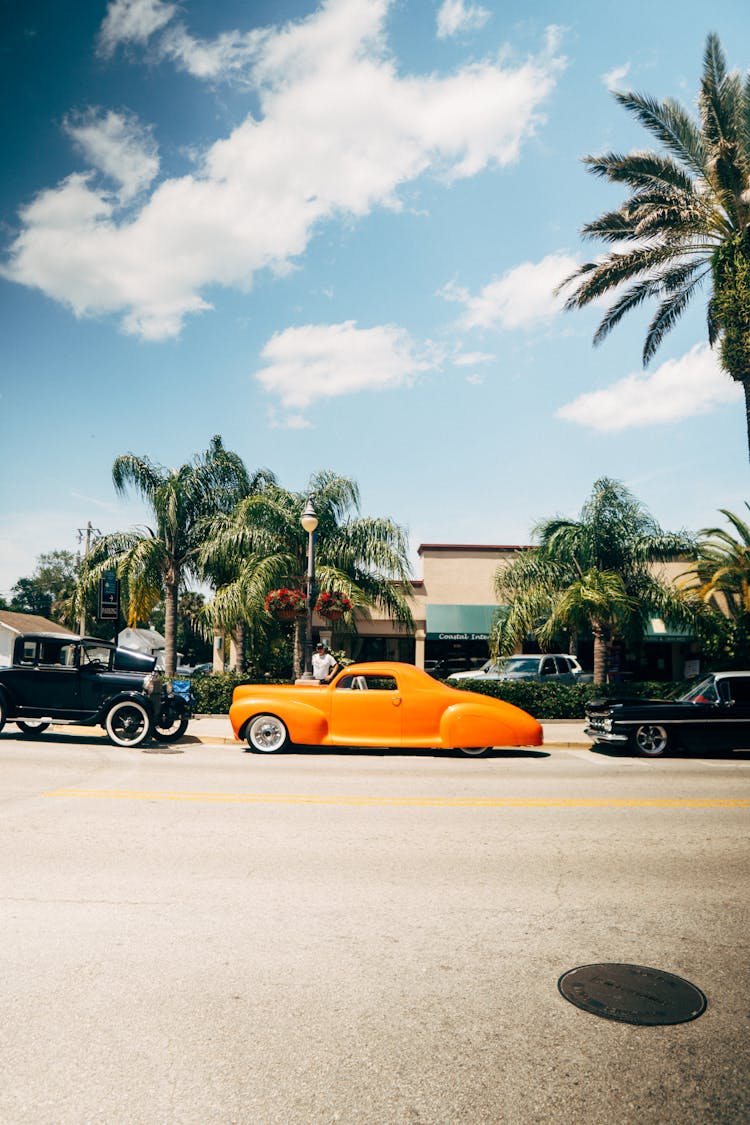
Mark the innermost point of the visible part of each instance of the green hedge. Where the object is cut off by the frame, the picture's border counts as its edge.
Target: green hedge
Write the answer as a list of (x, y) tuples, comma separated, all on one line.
[(213, 693), (562, 701)]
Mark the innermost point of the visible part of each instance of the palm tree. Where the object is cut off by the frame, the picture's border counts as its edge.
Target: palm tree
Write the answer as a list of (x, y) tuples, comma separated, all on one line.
[(365, 558), (685, 224), (722, 570), (723, 566), (153, 562), (593, 573)]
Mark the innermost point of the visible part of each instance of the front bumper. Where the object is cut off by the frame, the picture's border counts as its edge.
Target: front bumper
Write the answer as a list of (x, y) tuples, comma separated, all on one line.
[(604, 735)]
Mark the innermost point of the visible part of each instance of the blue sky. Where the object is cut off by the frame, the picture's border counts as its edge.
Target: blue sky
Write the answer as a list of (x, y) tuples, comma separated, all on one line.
[(332, 234)]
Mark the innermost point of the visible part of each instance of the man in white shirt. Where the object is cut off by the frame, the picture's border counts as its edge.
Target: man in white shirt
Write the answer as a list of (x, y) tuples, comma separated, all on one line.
[(324, 666)]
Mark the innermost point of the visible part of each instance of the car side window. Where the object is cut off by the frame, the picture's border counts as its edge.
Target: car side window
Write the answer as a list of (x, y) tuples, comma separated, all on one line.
[(97, 655), (367, 683), (739, 689), (548, 667), (56, 654), (381, 683), (27, 653)]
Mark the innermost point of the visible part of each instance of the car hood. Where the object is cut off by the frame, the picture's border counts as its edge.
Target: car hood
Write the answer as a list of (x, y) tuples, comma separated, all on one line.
[(606, 704)]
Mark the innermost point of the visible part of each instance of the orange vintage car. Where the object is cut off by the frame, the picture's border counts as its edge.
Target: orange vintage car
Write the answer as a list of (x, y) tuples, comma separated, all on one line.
[(382, 704)]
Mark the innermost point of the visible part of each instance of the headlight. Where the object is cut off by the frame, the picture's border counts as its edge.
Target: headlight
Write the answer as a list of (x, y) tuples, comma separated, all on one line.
[(607, 724), (152, 683)]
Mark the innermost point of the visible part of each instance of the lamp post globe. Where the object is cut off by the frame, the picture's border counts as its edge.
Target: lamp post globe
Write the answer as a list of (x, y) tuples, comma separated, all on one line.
[(309, 521)]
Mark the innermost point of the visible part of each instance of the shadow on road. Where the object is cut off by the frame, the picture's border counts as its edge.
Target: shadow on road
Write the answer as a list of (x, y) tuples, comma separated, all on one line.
[(622, 752), (399, 752)]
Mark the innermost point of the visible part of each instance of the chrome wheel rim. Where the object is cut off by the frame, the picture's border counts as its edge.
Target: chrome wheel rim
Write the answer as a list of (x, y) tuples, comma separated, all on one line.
[(267, 734), (651, 740)]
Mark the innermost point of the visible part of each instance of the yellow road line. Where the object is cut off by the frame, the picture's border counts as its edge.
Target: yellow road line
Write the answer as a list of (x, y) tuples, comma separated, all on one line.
[(408, 802)]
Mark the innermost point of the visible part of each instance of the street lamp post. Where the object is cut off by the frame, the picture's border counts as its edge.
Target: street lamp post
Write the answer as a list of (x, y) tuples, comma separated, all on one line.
[(309, 520)]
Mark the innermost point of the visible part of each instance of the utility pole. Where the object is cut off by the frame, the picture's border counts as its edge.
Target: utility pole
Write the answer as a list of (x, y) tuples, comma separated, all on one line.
[(85, 532)]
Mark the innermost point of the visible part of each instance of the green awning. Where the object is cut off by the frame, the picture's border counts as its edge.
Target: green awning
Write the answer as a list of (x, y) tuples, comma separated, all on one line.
[(658, 630), (459, 622)]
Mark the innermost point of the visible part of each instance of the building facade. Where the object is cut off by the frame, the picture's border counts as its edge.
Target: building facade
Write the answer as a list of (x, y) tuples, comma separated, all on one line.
[(453, 605)]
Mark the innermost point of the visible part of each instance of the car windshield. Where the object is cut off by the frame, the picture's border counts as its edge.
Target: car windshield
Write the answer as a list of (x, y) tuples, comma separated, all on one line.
[(521, 664), (702, 692)]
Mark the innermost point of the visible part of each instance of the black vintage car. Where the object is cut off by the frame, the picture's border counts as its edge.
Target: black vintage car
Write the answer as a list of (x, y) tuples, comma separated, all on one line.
[(64, 678), (713, 715)]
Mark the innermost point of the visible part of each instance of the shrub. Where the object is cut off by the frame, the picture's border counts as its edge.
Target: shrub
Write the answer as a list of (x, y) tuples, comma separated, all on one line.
[(213, 693), (563, 701)]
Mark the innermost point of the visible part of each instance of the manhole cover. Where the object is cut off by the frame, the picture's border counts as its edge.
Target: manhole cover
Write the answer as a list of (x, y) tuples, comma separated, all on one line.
[(632, 994), (162, 750)]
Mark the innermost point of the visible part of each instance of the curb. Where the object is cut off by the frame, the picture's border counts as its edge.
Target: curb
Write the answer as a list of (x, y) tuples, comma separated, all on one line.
[(224, 740)]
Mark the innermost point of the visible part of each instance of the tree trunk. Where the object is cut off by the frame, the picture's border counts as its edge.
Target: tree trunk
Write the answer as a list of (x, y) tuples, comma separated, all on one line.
[(237, 648), (600, 656), (171, 587)]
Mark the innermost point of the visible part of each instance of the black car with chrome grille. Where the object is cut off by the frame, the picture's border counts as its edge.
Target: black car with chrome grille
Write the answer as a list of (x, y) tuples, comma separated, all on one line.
[(64, 678), (713, 715)]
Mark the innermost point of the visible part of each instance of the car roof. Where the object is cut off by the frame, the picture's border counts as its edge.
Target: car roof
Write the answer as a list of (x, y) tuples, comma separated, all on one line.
[(387, 668), (62, 637)]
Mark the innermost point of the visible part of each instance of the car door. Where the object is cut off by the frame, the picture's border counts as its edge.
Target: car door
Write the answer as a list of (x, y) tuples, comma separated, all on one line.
[(50, 685), (366, 710), (734, 713), (98, 681), (565, 673)]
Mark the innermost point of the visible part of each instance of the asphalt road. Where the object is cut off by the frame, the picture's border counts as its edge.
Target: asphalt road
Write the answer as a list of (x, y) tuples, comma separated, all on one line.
[(211, 936)]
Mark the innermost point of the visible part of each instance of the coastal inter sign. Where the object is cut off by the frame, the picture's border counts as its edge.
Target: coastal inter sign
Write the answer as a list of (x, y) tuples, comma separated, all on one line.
[(459, 622)]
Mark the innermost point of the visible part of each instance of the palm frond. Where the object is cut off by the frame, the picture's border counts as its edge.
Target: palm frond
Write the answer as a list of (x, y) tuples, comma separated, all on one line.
[(672, 125), (639, 169), (667, 314)]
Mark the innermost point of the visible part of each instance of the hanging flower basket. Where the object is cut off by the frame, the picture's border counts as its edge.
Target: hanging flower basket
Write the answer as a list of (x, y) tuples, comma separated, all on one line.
[(332, 604), (285, 604)]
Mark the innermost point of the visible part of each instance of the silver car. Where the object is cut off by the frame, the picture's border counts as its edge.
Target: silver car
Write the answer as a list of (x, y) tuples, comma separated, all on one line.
[(549, 667)]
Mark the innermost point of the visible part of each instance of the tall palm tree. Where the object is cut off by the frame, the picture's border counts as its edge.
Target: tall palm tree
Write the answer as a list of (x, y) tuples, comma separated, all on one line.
[(595, 572), (722, 566), (222, 567), (364, 557), (722, 591), (154, 561), (686, 222)]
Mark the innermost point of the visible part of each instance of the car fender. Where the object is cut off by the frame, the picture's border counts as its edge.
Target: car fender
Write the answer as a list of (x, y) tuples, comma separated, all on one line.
[(307, 724), (7, 700), (472, 724), (119, 697)]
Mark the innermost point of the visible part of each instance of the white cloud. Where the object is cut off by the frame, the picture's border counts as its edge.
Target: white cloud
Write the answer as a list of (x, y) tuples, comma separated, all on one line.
[(613, 78), (341, 129), (319, 361), (119, 147), (222, 57), (132, 21), (680, 388), (454, 16), (471, 359), (522, 297)]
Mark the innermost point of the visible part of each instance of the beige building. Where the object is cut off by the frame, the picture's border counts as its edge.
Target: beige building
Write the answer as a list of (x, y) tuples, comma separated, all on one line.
[(453, 606)]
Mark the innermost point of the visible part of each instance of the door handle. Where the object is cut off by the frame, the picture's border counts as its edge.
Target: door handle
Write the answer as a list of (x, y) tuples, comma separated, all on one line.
[(396, 700)]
